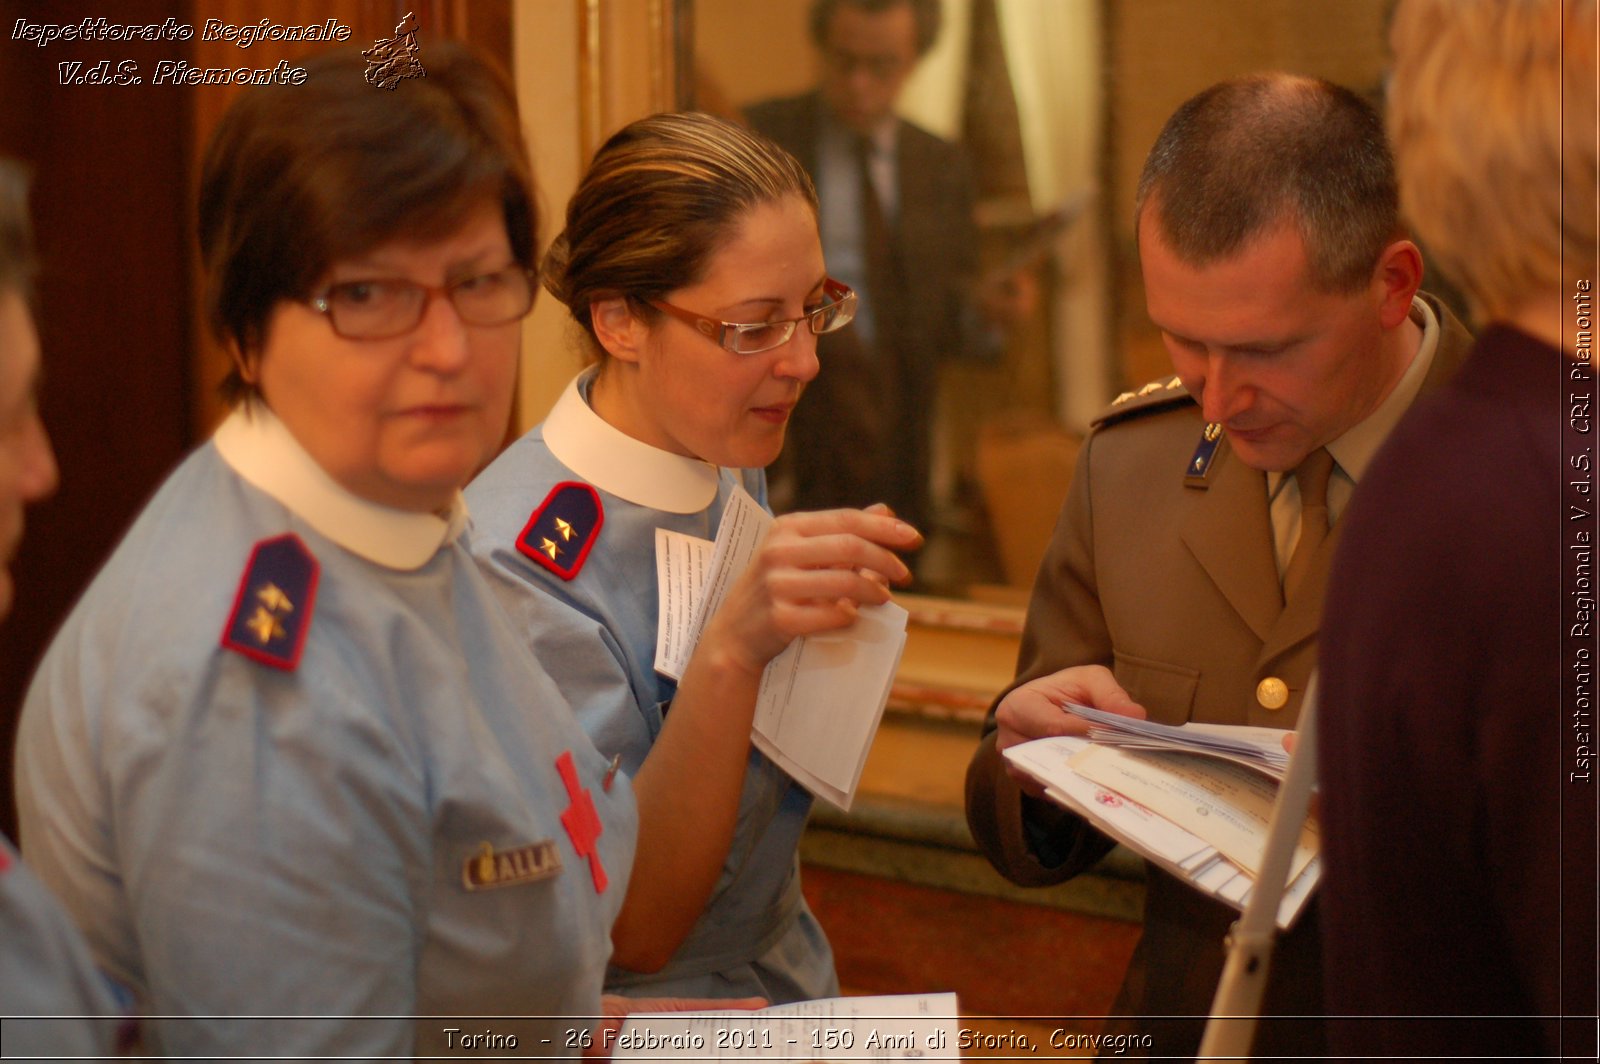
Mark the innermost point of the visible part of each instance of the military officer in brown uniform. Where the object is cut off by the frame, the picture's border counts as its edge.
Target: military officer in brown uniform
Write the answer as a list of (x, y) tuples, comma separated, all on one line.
[(1185, 578)]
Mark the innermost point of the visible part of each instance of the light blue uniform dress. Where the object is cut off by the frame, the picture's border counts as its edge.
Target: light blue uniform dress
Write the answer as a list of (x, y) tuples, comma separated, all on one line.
[(597, 633), (46, 975), (240, 839)]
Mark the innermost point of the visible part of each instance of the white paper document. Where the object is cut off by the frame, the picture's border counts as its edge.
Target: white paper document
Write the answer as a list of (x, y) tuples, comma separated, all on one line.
[(1222, 803), (822, 699), (1199, 818), (682, 562), (743, 525), (898, 1027), (1257, 748)]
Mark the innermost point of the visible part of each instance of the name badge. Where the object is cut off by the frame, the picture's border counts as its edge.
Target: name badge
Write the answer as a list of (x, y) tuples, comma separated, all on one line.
[(490, 868)]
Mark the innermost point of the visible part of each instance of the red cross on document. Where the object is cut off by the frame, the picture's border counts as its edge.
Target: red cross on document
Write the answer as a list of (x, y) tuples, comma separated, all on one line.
[(581, 821)]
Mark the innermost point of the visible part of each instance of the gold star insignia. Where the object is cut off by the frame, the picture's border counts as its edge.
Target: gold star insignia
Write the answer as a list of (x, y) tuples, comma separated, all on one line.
[(564, 528), (550, 548), (273, 598), (265, 626)]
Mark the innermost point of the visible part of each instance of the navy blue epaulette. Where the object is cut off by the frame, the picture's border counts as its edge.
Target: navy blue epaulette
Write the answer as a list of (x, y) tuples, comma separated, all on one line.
[(564, 528), (1165, 394), (273, 606), (1157, 395)]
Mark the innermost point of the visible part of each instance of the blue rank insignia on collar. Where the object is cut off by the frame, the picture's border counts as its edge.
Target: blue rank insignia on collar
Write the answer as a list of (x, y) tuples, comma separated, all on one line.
[(272, 610), (563, 530), (1204, 452)]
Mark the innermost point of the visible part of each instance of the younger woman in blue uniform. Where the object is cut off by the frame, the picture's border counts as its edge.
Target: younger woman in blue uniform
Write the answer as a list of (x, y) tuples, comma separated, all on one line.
[(691, 260), (286, 764)]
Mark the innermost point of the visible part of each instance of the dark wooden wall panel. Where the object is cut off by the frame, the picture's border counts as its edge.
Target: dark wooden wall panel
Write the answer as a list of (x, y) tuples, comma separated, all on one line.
[(109, 210)]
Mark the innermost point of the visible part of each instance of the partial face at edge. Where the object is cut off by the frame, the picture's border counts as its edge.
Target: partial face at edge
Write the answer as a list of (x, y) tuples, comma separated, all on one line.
[(27, 466)]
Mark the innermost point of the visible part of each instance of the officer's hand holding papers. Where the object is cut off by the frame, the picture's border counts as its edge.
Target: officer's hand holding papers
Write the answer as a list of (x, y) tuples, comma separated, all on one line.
[(1195, 799), (822, 697), (1263, 749), (1032, 710)]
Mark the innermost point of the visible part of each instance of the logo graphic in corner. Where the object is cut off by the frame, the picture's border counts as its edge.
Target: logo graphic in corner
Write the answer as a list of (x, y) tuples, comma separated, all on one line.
[(394, 58)]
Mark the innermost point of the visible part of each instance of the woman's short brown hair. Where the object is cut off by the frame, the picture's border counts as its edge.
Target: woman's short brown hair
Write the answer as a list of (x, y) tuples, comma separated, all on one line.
[(299, 177), (657, 201)]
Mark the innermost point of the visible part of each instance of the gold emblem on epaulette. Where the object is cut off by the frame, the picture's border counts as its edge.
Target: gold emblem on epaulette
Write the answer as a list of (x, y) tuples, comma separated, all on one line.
[(1123, 398), (564, 529), (273, 606), (1204, 452), (264, 626), (490, 868)]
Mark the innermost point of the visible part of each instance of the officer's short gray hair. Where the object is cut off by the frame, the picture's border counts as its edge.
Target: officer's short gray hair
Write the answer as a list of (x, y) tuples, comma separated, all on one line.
[(1249, 154)]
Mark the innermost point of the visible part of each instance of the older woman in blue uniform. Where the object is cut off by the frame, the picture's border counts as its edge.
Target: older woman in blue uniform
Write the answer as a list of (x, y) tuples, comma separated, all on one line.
[(287, 758), (691, 261)]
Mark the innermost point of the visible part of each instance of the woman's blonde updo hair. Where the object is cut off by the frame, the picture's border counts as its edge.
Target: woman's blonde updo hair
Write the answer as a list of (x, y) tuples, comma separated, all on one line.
[(658, 200), (1492, 113)]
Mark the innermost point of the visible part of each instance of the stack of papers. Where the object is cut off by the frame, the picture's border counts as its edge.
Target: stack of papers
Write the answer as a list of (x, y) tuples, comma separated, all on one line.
[(821, 700), (1257, 748), (1201, 817)]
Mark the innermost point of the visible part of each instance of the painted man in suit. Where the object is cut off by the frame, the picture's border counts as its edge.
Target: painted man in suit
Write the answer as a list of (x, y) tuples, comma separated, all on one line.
[(1186, 575), (897, 225)]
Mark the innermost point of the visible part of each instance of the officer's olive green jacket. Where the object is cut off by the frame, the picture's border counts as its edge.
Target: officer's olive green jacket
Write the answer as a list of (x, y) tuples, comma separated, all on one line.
[(1169, 579)]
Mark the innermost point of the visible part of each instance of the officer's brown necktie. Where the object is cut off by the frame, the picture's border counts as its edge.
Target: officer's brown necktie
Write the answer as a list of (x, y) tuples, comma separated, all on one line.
[(1312, 477)]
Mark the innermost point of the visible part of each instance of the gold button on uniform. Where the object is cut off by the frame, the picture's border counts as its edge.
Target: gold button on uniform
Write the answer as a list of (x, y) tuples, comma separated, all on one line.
[(1272, 693)]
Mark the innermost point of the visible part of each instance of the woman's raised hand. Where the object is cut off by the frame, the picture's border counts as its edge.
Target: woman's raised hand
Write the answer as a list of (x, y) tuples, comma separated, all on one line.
[(810, 574)]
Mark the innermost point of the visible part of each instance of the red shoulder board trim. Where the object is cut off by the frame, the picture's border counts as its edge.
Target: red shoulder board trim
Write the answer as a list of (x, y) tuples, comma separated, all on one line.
[(272, 610), (563, 530)]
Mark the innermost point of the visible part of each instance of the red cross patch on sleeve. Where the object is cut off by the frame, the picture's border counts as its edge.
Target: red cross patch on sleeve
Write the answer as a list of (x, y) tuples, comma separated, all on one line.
[(581, 821), (563, 530), (272, 609)]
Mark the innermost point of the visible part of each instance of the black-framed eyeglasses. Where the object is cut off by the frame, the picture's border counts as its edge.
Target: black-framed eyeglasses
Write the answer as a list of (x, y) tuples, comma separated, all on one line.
[(837, 311), (383, 308)]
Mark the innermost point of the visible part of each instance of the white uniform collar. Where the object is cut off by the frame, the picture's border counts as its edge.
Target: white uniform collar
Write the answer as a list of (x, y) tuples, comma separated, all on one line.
[(615, 462), (260, 448)]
